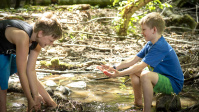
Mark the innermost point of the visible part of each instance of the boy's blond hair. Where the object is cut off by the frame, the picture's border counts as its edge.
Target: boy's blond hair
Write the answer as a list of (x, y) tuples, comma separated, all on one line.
[(154, 20), (49, 24)]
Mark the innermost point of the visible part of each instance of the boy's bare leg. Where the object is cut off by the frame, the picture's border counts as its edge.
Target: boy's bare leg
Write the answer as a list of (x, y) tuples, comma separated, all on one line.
[(47, 98), (136, 83), (3, 94), (148, 79)]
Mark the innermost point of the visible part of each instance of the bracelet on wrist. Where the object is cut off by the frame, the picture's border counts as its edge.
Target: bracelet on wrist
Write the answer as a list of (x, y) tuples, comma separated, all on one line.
[(114, 66)]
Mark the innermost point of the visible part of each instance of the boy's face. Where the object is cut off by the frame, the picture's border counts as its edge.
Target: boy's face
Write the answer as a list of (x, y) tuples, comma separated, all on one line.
[(147, 32), (45, 40)]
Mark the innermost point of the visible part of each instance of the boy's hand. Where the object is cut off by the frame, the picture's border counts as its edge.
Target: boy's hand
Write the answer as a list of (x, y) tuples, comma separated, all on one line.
[(31, 105), (38, 99), (51, 104), (108, 71)]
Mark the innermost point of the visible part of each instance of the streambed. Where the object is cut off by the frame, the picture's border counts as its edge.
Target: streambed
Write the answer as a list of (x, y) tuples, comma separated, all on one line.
[(87, 93)]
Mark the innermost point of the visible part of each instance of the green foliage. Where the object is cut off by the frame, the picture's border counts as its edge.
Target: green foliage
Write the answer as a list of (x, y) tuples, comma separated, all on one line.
[(151, 6), (123, 87)]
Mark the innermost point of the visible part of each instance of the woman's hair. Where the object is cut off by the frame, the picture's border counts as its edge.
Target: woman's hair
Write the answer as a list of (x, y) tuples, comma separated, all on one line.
[(154, 20), (49, 24)]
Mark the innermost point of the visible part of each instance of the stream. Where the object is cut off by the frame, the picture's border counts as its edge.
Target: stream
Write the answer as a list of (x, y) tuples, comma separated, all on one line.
[(105, 95)]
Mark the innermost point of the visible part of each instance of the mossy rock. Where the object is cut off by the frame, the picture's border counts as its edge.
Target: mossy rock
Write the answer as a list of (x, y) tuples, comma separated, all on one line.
[(168, 103), (54, 61), (15, 17)]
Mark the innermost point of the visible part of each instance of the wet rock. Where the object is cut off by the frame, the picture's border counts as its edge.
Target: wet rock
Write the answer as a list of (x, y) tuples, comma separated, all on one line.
[(80, 84), (15, 87), (68, 75), (167, 103), (50, 83), (50, 91), (64, 90), (41, 75), (3, 14)]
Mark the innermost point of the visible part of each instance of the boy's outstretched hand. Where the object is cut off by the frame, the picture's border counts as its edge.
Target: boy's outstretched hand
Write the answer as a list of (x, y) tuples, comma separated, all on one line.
[(108, 71), (38, 99), (31, 106)]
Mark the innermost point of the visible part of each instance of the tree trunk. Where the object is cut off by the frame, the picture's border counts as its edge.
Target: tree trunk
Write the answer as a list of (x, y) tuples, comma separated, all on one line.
[(27, 2), (34, 2), (17, 5), (128, 12), (5, 4)]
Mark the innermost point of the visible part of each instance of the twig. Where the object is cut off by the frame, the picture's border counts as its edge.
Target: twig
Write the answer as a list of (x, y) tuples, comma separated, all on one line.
[(191, 79), (197, 13), (96, 48), (63, 72), (179, 28), (183, 41), (128, 37), (190, 108), (102, 78), (90, 20), (190, 64)]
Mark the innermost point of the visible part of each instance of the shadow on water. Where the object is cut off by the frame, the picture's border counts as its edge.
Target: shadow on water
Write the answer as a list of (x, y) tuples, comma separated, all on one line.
[(96, 95)]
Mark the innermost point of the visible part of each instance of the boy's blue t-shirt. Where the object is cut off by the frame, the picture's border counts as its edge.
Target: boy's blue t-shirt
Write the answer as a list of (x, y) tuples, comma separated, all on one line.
[(163, 59)]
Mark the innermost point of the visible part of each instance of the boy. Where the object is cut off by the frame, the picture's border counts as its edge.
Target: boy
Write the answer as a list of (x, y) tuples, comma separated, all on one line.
[(165, 75), (20, 44)]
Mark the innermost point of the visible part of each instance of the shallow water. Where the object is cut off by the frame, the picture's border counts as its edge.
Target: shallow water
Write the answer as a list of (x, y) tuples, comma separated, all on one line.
[(101, 95)]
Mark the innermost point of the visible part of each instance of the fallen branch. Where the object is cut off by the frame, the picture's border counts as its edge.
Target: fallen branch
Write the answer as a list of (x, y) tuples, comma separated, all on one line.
[(63, 72), (174, 27), (190, 109), (183, 41), (129, 37), (190, 64), (90, 20), (191, 79), (87, 46)]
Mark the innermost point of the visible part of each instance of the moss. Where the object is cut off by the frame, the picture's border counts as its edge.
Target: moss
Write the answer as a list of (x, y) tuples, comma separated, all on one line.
[(15, 17), (55, 61), (190, 21), (55, 64)]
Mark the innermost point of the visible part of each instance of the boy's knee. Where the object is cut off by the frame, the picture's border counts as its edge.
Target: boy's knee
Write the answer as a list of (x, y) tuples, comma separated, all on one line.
[(144, 76)]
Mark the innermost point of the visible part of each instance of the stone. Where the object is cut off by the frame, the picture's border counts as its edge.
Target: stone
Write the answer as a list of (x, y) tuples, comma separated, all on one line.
[(79, 84), (50, 91), (167, 103), (64, 90), (50, 83)]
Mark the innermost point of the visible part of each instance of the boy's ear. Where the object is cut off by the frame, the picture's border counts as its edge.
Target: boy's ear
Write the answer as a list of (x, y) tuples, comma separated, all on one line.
[(155, 30), (40, 33)]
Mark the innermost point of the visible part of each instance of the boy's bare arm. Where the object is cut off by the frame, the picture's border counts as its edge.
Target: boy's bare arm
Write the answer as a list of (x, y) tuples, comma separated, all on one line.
[(31, 72), (137, 68), (128, 63), (21, 40)]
